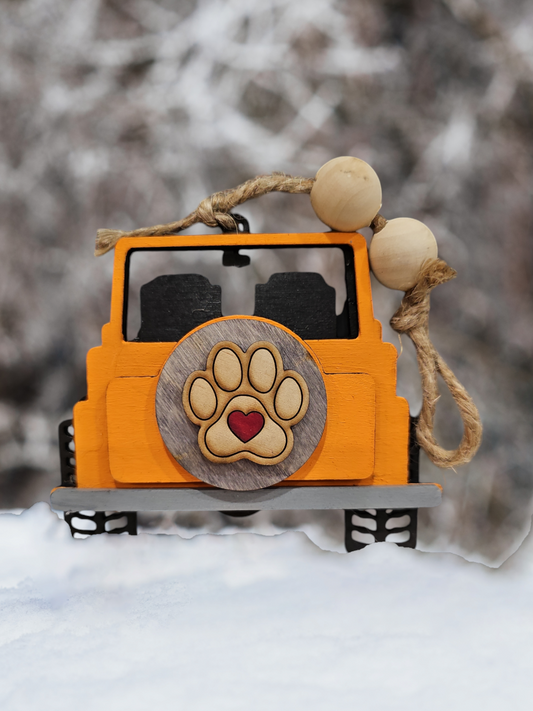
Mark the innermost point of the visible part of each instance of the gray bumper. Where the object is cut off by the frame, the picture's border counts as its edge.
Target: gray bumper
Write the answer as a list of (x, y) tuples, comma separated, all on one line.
[(411, 496)]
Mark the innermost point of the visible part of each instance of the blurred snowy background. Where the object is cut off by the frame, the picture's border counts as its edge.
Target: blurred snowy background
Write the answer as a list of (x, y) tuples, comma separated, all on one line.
[(125, 114)]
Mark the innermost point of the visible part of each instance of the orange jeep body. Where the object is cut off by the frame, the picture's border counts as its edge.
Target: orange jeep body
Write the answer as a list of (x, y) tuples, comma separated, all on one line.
[(366, 438)]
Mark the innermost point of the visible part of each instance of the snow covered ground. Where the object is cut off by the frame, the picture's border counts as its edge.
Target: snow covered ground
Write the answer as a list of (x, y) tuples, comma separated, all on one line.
[(255, 622)]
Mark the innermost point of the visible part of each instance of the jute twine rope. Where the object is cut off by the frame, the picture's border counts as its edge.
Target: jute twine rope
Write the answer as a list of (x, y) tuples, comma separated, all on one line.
[(411, 318), (213, 211)]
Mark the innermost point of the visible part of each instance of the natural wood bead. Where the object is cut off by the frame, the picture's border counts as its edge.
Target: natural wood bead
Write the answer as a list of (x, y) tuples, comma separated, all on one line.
[(399, 250), (346, 195)]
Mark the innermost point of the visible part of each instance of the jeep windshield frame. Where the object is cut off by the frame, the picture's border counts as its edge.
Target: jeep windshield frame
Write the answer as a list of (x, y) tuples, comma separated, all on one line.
[(352, 245)]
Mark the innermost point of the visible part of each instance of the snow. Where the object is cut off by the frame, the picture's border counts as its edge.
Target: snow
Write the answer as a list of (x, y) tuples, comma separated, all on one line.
[(255, 622)]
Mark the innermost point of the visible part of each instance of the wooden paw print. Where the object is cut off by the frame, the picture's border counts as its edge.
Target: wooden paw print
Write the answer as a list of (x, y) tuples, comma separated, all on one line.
[(245, 404)]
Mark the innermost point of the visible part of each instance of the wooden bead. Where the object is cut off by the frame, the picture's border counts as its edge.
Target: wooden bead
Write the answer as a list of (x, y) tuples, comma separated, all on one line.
[(399, 250), (346, 195)]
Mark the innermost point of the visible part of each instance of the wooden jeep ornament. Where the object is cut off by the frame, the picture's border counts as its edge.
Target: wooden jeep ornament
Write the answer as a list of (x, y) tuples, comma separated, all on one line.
[(294, 407)]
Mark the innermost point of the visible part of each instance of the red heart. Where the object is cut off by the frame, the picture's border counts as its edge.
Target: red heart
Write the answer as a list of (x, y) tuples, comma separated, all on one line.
[(246, 427)]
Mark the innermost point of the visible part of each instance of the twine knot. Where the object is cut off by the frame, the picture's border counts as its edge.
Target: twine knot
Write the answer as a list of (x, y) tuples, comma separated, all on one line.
[(209, 212), (414, 309)]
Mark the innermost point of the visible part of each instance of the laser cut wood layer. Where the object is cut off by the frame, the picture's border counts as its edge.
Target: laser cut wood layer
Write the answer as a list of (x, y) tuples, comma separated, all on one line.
[(245, 398), (247, 366)]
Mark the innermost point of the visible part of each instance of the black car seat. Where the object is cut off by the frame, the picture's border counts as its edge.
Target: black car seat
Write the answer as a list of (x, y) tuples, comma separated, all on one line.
[(174, 304)]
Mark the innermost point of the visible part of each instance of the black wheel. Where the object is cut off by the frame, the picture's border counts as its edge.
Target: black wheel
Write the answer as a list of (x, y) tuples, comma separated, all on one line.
[(66, 453), (91, 524), (363, 527)]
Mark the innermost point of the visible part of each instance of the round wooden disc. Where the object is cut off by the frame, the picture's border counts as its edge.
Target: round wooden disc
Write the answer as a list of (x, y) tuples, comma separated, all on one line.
[(181, 436)]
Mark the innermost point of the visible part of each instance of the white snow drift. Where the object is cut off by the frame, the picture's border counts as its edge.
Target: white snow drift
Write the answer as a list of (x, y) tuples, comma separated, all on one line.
[(253, 622)]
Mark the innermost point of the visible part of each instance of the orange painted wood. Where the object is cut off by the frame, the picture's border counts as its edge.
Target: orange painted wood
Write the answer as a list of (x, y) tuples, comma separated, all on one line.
[(131, 419), (351, 420), (366, 435), (137, 453)]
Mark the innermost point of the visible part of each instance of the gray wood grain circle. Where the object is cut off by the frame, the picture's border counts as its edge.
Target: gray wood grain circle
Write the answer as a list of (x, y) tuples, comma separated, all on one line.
[(180, 435)]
